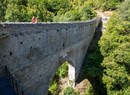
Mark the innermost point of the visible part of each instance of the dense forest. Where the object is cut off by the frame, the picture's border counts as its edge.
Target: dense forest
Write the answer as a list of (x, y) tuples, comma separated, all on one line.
[(52, 10), (45, 10), (107, 65), (115, 48)]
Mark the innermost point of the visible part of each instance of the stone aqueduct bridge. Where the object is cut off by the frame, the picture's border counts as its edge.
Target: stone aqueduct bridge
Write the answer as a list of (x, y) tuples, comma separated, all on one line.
[(33, 52)]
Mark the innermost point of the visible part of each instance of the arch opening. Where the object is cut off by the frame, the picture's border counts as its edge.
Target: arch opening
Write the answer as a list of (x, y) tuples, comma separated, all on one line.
[(64, 77)]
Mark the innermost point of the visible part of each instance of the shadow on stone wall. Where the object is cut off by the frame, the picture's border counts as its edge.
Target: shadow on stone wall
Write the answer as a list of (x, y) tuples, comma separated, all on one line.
[(91, 68)]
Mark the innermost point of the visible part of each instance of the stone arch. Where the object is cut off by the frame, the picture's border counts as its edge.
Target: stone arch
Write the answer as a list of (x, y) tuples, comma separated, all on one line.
[(71, 69), (70, 76)]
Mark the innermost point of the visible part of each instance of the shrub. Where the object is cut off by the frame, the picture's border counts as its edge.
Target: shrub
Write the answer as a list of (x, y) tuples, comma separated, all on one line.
[(105, 4), (54, 88), (115, 77), (63, 70), (16, 11), (81, 14), (3, 6), (72, 15), (89, 89), (124, 10), (86, 13), (55, 5), (70, 91)]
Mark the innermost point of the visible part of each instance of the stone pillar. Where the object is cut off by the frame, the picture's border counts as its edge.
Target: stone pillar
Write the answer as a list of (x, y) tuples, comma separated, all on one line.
[(71, 75)]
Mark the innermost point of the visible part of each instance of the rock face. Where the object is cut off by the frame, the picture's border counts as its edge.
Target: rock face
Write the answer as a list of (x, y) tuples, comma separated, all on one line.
[(33, 52)]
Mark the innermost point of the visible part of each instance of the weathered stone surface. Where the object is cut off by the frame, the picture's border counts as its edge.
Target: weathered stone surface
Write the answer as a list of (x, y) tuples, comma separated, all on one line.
[(33, 52)]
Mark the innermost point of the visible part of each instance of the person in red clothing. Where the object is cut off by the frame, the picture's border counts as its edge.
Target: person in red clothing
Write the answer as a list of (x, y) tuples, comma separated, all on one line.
[(34, 19)]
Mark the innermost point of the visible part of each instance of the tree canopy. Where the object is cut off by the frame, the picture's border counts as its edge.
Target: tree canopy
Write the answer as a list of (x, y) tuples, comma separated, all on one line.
[(115, 47), (45, 10)]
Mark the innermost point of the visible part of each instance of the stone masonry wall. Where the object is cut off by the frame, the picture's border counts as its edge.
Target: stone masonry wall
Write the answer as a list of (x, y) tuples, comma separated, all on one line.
[(33, 52)]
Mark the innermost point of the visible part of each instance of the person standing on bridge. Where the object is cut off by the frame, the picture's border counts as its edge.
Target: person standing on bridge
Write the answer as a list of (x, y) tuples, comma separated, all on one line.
[(34, 19)]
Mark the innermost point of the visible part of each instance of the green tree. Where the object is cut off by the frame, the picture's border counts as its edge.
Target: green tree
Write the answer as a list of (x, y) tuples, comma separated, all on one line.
[(89, 89), (92, 67), (105, 4), (81, 13), (55, 5), (70, 91), (115, 44), (38, 8), (16, 11), (72, 15), (124, 10), (3, 6), (86, 12), (45, 10)]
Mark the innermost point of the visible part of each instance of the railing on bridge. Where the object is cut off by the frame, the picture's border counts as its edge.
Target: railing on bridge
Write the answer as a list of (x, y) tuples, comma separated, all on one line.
[(13, 82)]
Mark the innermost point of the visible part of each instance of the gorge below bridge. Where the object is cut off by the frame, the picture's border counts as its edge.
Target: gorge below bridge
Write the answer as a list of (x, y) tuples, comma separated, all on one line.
[(33, 52)]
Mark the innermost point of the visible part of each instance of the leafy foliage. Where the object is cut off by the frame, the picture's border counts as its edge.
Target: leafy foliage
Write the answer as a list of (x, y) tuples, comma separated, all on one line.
[(71, 15), (124, 10), (54, 88), (93, 67), (105, 4), (86, 12), (55, 5), (115, 45), (15, 11), (3, 6), (115, 77), (70, 91), (44, 10), (63, 70), (89, 89), (80, 13), (54, 10)]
